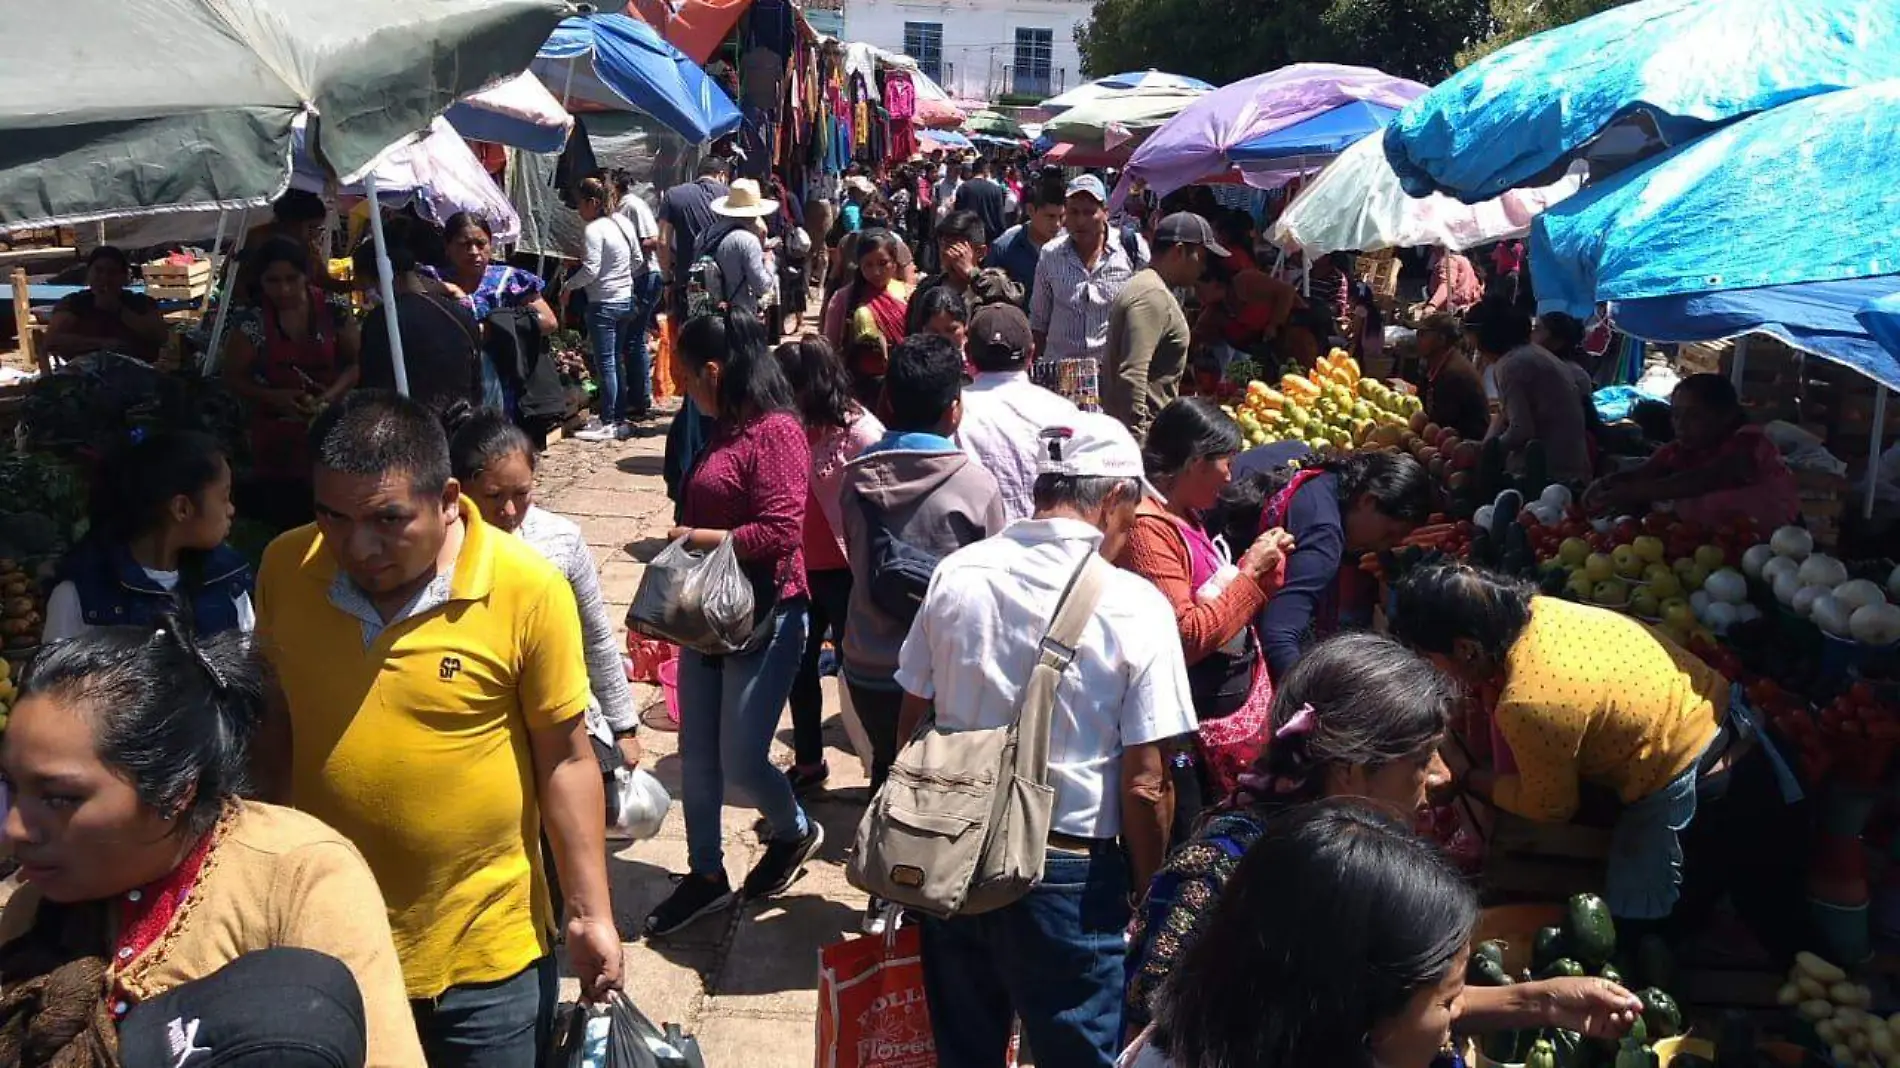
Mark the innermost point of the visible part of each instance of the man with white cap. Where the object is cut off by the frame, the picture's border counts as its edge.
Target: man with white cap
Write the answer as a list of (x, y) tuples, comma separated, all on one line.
[(735, 246), (1077, 278), (1053, 958)]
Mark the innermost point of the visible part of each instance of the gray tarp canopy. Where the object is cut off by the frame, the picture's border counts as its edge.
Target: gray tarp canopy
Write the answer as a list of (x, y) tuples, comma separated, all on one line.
[(113, 108)]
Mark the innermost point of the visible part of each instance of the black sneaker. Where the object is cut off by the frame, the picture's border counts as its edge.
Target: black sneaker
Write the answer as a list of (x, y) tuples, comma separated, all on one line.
[(694, 897), (806, 779), (782, 863)]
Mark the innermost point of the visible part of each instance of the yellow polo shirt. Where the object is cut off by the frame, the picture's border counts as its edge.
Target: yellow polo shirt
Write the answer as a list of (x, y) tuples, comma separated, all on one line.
[(412, 738), (1594, 696)]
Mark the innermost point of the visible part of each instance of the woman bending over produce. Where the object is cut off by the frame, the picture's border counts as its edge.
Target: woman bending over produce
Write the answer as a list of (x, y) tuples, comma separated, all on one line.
[(1593, 701), (1360, 717)]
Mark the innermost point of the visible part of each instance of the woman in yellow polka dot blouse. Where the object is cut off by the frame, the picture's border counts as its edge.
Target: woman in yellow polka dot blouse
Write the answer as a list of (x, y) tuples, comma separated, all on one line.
[(1588, 697)]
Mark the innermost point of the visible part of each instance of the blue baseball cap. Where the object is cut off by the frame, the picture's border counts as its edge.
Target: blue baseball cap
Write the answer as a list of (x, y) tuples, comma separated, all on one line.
[(1090, 185)]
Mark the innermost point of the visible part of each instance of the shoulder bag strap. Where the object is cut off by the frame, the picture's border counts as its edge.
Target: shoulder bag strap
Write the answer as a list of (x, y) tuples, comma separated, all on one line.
[(1035, 707)]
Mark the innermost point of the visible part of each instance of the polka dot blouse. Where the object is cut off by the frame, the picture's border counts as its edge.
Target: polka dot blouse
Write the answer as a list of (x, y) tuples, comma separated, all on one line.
[(1594, 696)]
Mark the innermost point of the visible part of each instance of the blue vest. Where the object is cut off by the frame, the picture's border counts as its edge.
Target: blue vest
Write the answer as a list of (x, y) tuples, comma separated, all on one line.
[(114, 591)]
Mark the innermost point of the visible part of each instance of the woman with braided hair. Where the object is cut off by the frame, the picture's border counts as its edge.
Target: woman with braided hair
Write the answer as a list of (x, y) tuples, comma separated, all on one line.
[(1360, 716), (145, 866)]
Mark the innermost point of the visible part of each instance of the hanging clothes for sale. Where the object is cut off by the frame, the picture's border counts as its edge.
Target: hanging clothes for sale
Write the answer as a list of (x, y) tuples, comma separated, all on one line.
[(900, 100)]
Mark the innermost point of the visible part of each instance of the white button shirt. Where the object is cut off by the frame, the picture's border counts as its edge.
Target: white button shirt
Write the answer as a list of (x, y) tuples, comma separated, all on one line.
[(1071, 300), (1003, 413), (976, 639)]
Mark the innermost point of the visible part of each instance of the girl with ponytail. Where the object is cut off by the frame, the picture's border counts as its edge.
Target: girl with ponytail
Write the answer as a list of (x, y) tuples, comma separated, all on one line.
[(145, 864)]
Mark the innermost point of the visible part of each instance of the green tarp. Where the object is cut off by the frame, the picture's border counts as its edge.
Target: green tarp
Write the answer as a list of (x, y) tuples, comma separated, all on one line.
[(117, 107)]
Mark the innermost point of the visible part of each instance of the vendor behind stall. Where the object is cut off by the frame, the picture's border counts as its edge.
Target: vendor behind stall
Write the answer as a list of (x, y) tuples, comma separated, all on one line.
[(1451, 389), (1594, 702), (1335, 510), (1246, 310), (1537, 396), (104, 316), (1718, 470)]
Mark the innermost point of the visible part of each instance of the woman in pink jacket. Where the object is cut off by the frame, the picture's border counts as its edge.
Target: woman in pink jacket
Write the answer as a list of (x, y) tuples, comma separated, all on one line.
[(838, 429)]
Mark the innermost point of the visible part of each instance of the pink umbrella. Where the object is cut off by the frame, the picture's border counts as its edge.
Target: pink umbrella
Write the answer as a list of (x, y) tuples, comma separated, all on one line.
[(1193, 145)]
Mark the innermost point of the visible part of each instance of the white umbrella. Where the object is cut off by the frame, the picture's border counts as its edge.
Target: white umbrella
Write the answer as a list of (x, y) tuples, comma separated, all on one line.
[(1356, 204)]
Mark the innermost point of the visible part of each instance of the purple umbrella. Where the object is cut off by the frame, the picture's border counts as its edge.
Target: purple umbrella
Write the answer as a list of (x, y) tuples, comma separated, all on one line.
[(1193, 145)]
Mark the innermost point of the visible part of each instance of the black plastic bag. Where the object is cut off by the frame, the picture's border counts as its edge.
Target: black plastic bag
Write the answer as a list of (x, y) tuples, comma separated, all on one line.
[(632, 1040)]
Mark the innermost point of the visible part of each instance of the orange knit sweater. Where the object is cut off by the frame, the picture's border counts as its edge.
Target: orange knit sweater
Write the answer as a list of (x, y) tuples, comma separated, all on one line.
[(1158, 552)]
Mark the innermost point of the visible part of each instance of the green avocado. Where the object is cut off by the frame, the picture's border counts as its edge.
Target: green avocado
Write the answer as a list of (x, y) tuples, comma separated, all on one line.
[(1546, 946), (1591, 932), (1562, 967)]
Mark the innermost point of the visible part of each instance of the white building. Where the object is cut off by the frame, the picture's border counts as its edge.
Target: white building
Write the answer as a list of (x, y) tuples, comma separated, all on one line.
[(978, 49)]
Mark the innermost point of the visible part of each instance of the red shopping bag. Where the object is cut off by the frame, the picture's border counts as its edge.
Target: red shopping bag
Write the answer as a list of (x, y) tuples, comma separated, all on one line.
[(871, 1007)]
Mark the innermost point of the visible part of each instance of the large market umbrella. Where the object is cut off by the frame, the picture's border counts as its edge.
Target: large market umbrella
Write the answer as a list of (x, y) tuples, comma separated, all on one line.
[(942, 139), (1118, 117), (617, 63), (436, 170), (110, 108), (1324, 135), (1780, 222), (1356, 204), (1645, 73), (519, 113), (1149, 80), (993, 123), (1194, 144)]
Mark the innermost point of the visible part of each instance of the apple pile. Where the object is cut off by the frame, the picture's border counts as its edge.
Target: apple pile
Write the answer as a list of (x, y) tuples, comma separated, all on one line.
[(1675, 574)]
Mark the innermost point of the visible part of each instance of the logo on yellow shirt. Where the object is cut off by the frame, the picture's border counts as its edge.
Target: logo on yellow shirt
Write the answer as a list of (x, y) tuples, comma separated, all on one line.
[(451, 667)]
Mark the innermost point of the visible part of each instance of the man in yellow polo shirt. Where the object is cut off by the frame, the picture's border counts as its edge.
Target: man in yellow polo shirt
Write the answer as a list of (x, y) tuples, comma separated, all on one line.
[(434, 678)]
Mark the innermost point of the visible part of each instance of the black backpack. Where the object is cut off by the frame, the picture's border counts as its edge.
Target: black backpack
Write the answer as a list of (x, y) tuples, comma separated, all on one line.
[(899, 572)]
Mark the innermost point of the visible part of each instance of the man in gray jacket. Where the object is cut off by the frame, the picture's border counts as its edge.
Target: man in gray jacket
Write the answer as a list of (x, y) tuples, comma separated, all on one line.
[(921, 497)]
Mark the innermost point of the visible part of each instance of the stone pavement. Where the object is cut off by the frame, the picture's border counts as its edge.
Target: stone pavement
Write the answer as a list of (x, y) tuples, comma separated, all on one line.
[(745, 982)]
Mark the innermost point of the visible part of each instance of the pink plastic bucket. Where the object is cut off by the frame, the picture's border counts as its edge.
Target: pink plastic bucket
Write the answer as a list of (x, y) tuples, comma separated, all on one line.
[(669, 673)]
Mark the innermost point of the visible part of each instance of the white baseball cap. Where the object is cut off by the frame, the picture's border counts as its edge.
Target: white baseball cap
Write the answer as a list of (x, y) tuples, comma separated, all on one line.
[(1091, 445)]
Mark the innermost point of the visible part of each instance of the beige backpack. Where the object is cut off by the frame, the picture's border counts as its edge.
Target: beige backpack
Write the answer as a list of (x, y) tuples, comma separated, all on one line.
[(962, 824)]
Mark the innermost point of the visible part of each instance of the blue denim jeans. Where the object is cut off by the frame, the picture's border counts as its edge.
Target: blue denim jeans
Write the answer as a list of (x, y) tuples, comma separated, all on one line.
[(603, 335), (729, 711), (505, 1024), (1053, 959), (636, 388)]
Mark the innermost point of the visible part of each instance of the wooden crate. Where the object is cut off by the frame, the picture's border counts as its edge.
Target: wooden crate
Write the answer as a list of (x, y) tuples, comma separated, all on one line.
[(1543, 861), (165, 280)]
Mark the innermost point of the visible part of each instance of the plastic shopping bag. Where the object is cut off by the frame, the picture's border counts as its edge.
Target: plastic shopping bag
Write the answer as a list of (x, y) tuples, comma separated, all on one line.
[(636, 803), (618, 1035), (702, 601), (871, 1007)]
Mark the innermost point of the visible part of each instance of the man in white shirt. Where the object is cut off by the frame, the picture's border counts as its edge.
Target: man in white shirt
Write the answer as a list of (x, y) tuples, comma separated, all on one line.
[(1003, 411), (648, 284), (1054, 957), (1077, 278)]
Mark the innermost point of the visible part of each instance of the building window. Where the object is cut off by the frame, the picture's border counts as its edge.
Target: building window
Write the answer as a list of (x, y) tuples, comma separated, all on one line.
[(923, 42), (1034, 50)]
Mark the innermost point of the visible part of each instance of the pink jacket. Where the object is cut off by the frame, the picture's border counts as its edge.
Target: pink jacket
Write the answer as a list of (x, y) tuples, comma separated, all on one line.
[(831, 449)]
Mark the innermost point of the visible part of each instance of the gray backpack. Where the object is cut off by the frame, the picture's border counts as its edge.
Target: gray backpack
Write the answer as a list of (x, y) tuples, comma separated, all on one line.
[(962, 824)]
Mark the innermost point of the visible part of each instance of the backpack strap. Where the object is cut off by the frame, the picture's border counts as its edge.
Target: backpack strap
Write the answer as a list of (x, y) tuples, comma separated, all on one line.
[(1035, 706)]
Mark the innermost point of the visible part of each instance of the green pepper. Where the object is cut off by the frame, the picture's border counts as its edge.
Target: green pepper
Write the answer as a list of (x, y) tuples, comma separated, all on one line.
[(1543, 1055), (1591, 932), (1547, 946), (1661, 1015), (1563, 966), (1608, 971)]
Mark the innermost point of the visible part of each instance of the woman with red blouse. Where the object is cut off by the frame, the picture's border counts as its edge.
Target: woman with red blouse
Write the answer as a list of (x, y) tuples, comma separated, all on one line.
[(750, 485)]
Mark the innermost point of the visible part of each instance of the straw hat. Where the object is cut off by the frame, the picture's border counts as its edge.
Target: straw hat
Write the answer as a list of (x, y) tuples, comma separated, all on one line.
[(744, 201)]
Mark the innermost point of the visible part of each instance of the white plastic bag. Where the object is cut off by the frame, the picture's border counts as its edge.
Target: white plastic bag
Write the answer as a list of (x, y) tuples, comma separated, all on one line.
[(640, 803)]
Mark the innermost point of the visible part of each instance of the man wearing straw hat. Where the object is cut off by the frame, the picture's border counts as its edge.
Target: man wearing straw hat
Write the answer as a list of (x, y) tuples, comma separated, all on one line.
[(736, 247)]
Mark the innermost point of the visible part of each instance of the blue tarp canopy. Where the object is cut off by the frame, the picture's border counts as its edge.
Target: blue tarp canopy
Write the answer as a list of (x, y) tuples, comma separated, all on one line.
[(616, 62), (1881, 317), (1783, 222), (1653, 70), (1327, 134)]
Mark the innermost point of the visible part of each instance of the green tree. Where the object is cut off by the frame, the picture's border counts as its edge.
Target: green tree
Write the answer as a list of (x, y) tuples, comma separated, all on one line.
[(1514, 20)]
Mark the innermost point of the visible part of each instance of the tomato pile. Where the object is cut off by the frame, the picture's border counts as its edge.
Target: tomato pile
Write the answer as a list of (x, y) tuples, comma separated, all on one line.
[(1852, 739)]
